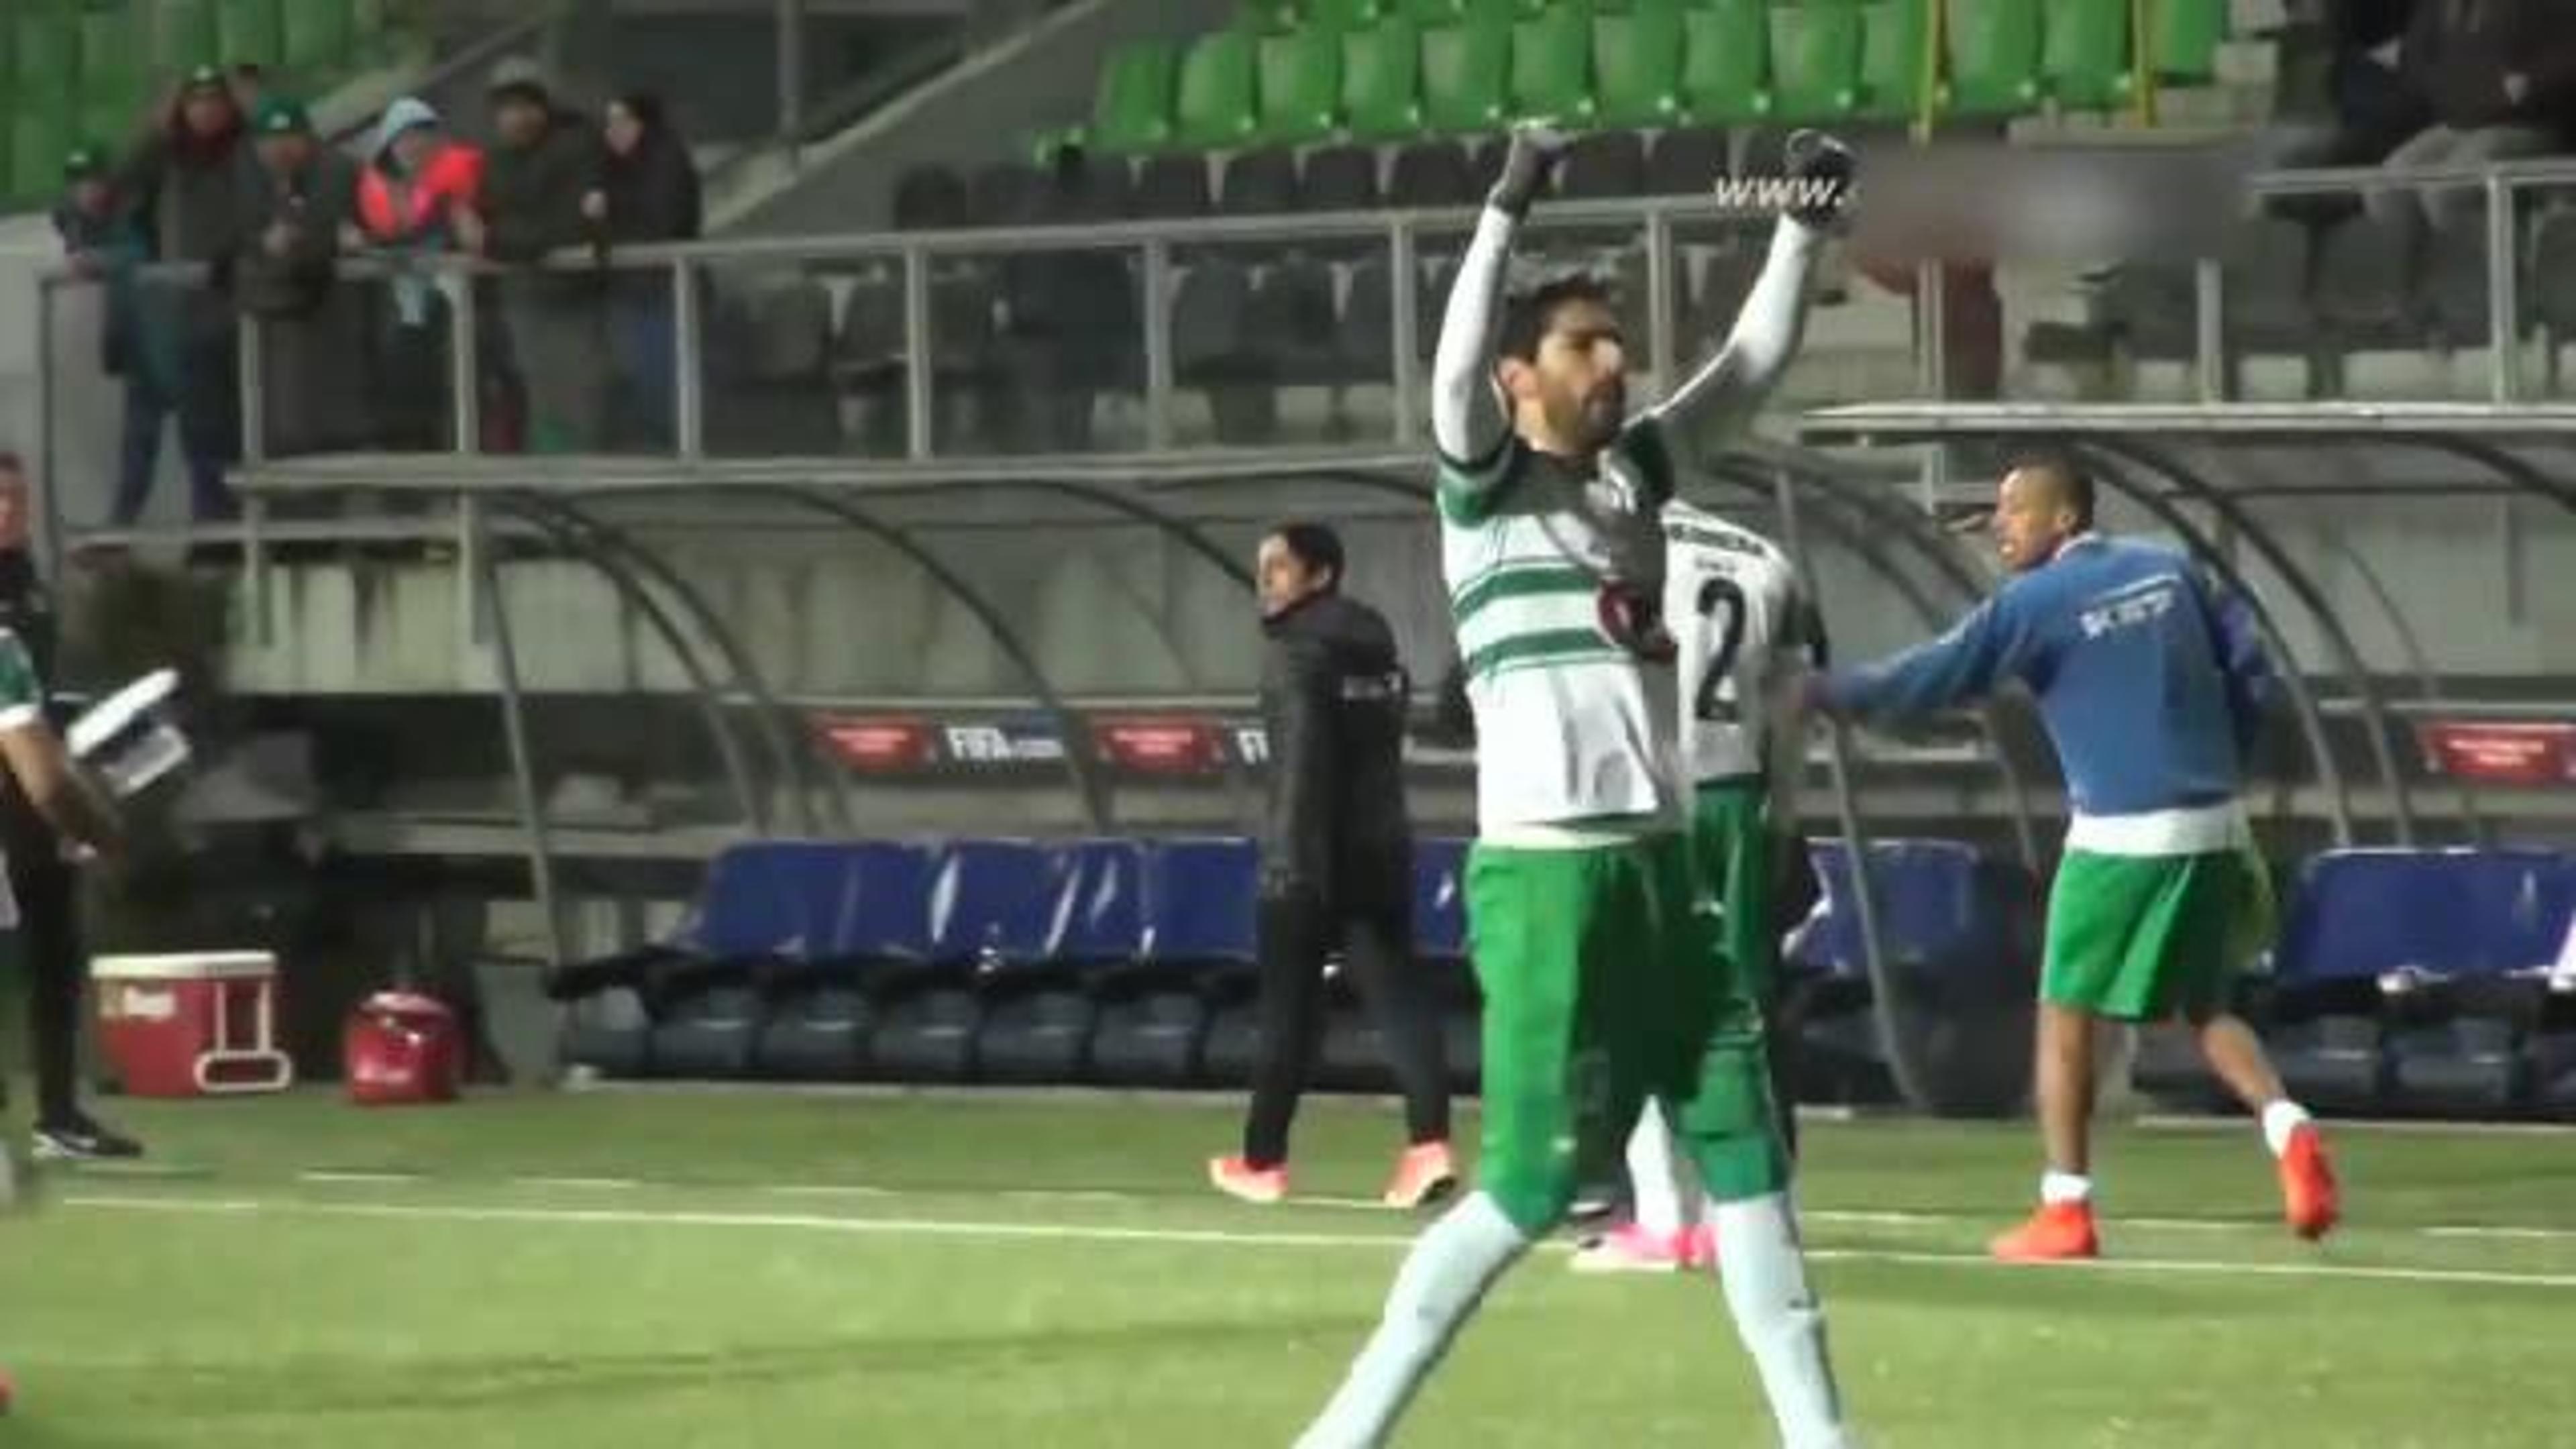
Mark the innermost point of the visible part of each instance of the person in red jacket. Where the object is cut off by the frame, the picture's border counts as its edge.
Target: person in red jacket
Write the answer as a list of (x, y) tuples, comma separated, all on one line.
[(418, 195)]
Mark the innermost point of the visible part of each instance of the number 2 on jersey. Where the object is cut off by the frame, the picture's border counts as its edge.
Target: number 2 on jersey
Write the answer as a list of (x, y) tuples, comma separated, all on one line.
[(1717, 593)]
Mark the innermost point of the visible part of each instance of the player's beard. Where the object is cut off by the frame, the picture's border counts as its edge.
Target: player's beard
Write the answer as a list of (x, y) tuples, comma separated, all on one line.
[(1589, 420)]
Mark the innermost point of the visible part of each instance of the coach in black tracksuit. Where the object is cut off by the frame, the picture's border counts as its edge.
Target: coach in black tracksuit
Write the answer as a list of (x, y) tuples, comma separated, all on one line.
[(1336, 855)]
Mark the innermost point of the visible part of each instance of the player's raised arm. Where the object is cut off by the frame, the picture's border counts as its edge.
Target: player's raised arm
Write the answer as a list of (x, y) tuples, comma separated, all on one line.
[(1467, 418), (1729, 387)]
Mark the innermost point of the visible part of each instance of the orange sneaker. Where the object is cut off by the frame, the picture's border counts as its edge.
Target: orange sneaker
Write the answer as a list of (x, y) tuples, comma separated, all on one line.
[(2309, 1198), (2059, 1232), (1240, 1179), (1423, 1175)]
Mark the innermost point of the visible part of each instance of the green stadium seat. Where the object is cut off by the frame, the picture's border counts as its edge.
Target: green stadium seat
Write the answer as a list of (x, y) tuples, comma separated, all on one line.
[(1507, 11), (1815, 59), (1344, 14), (1637, 64), (1466, 76), (2085, 54), (40, 136), (1894, 82), (44, 59), (1301, 86), (315, 38), (1551, 65), (116, 80), (2183, 37), (1432, 12), (1213, 103), (1382, 81), (187, 35), (1994, 57), (250, 30), (1266, 17), (1133, 110), (1726, 62)]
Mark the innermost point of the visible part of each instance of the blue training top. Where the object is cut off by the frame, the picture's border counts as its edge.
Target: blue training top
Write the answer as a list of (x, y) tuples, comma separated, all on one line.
[(2149, 685)]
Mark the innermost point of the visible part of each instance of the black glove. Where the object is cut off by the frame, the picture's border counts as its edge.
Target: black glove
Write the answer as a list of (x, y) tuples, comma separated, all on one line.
[(1825, 167), (1527, 164)]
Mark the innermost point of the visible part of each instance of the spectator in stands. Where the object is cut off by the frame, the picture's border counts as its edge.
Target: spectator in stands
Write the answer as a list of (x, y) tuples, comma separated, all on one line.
[(41, 880), (650, 194), (544, 164), (1336, 865), (105, 240), (2367, 107), (2500, 77), (302, 206), (416, 197), (249, 85), (190, 178)]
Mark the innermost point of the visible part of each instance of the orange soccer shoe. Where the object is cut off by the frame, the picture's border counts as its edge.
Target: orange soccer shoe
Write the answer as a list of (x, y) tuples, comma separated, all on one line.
[(1237, 1178), (2309, 1198), (2059, 1232), (1423, 1175)]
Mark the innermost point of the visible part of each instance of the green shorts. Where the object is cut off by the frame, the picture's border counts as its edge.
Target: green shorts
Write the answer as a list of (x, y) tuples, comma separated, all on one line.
[(1731, 849), (2148, 938), (1601, 986)]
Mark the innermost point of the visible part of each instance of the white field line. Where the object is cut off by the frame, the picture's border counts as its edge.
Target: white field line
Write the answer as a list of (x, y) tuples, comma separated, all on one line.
[(1211, 1237)]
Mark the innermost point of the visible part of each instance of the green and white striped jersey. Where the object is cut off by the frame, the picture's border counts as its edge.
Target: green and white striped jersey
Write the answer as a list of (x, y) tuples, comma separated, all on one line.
[(22, 694), (1555, 578)]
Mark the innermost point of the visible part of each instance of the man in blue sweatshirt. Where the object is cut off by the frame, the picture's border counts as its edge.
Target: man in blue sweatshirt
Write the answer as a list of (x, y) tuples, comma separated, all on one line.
[(2150, 686)]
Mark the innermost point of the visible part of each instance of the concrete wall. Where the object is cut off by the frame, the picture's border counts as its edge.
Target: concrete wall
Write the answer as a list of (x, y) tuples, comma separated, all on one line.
[(1114, 609)]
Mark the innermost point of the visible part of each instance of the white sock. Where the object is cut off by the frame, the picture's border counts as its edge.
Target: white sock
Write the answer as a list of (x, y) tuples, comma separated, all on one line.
[(2280, 1119), (2063, 1187), (1780, 1321), (1442, 1281), (1665, 1188)]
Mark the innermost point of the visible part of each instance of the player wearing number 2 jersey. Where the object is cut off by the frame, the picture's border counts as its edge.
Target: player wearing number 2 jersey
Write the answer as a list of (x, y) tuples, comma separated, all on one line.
[(1744, 631), (1580, 893)]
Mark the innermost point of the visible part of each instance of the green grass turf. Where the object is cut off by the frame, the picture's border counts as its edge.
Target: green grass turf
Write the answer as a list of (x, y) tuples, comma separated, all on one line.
[(769, 1270)]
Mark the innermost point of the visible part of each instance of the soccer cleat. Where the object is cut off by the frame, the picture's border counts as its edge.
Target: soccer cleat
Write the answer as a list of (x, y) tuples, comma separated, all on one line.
[(82, 1138), (1237, 1178), (2059, 1232), (1629, 1248), (2309, 1197), (1423, 1175)]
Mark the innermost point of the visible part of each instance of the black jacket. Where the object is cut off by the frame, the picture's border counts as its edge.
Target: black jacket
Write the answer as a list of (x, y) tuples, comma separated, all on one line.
[(1333, 698), (27, 610), (532, 200), (2457, 54)]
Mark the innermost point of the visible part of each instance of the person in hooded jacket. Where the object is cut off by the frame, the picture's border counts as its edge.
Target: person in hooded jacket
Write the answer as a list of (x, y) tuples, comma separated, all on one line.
[(1336, 866), (418, 187), (189, 181), (538, 176), (300, 204), (649, 194)]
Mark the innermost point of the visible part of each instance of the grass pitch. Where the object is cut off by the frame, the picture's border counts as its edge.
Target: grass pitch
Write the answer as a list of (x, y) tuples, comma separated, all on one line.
[(744, 1269)]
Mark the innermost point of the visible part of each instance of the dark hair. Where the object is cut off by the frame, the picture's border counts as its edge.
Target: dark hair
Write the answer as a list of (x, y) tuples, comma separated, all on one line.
[(10, 462), (645, 107), (1527, 316), (1316, 546), (2074, 481)]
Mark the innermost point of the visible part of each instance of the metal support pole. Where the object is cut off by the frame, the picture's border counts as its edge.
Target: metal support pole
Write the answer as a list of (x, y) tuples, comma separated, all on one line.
[(1662, 356), (791, 79), (464, 363), (688, 383), (1158, 344), (48, 485), (1855, 842), (917, 343), (1404, 296), (523, 769), (2504, 335), (471, 547), (1932, 332), (2209, 329), (254, 391)]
